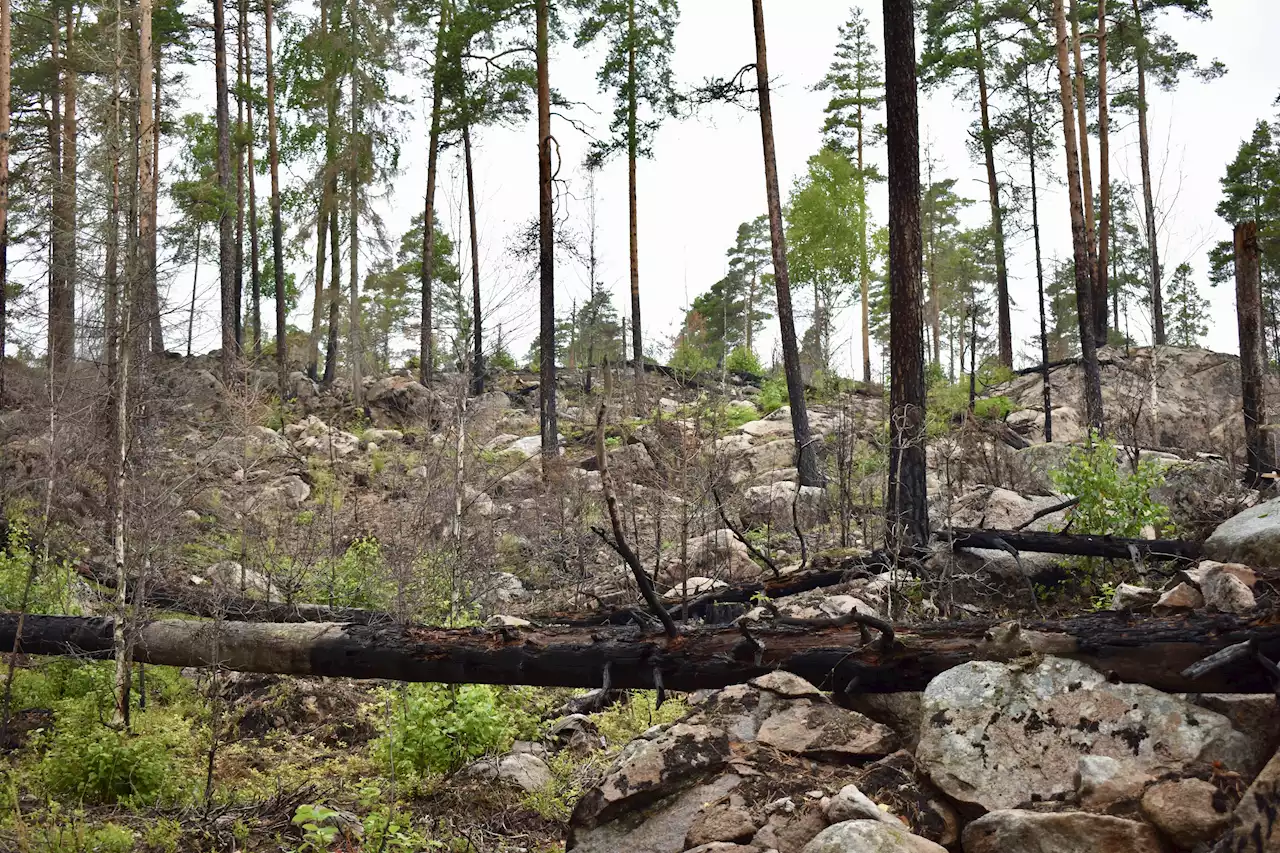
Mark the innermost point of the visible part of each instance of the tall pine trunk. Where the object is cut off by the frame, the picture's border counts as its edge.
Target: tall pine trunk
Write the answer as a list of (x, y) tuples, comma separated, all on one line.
[(1035, 233), (277, 227), (6, 57), (806, 453), (1148, 191), (1004, 320), (546, 250), (331, 169), (255, 275), (195, 286), (426, 338), (633, 142), (318, 305), (1101, 286), (906, 507), (147, 131), (1084, 292), (226, 235), (355, 343), (1253, 365), (1086, 180), (477, 340), (154, 326), (864, 260), (241, 147), (62, 302)]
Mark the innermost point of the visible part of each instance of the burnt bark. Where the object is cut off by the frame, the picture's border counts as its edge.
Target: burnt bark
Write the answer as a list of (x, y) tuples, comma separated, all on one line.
[(905, 499), (1073, 544), (806, 453), (1101, 286), (1253, 364), (1145, 651), (546, 251), (1079, 238), (1004, 320), (277, 226), (426, 339), (6, 56), (226, 234), (1148, 189)]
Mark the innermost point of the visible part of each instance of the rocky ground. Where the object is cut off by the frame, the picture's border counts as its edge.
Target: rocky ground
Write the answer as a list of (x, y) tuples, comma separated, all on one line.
[(444, 512)]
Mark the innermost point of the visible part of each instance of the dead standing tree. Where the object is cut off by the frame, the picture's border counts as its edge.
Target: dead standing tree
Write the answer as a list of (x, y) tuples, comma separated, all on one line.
[(906, 505), (1253, 364)]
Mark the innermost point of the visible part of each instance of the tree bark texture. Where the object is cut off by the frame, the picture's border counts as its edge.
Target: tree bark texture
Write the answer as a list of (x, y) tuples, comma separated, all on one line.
[(226, 235), (1145, 651), (546, 249), (6, 58), (1004, 320), (1253, 365), (426, 338), (147, 130), (637, 339), (806, 453), (1084, 283), (905, 499), (1148, 189), (477, 320), (1086, 179), (1101, 286), (277, 226)]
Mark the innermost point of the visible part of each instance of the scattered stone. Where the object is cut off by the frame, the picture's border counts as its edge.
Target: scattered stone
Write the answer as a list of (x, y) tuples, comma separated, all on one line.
[(694, 587), (1251, 537), (898, 783), (1225, 592), (524, 770), (1017, 831), (1184, 596), (852, 804), (1105, 784), (1254, 827), (983, 719), (869, 836), (765, 429), (576, 733), (1130, 597), (504, 621), (771, 505), (1189, 811), (789, 832), (899, 711), (826, 730), (721, 822)]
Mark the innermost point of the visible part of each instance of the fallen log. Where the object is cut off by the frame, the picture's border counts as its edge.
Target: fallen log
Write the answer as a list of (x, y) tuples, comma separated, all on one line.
[(1147, 651), (1073, 544)]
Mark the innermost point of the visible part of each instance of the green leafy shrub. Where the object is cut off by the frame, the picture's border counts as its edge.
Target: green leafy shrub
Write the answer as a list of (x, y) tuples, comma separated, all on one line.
[(87, 760), (439, 728), (1111, 503), (356, 579), (689, 360), (743, 360), (625, 721), (51, 590), (773, 394), (994, 408)]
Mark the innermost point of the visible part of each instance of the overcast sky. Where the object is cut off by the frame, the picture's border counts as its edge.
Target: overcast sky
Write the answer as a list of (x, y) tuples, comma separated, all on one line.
[(706, 176)]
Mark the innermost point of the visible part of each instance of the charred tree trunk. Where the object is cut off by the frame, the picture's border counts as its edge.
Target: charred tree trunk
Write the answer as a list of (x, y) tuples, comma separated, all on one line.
[(1005, 322), (1084, 284), (6, 58), (546, 250), (1086, 179), (905, 499), (1253, 363), (241, 147), (320, 302), (1101, 285), (637, 339), (277, 226), (331, 169), (864, 263), (806, 453), (226, 235), (1148, 190), (1147, 651), (426, 339), (477, 340), (356, 342)]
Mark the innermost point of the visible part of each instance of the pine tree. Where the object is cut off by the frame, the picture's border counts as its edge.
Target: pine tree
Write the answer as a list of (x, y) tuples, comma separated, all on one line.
[(637, 69), (1188, 310), (748, 259), (855, 80)]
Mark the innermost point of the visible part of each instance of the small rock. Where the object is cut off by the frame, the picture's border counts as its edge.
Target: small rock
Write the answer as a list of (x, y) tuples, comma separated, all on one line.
[(693, 587), (852, 804), (504, 621), (1189, 811), (1129, 597), (826, 730), (522, 769), (721, 823), (1227, 593), (785, 684), (1254, 827), (1017, 831), (789, 833), (869, 836), (1184, 596)]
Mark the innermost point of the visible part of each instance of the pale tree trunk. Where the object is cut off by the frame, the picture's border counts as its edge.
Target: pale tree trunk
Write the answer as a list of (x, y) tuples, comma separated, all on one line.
[(935, 298), (147, 130), (255, 276), (637, 339), (353, 151), (226, 236), (277, 226), (241, 47), (477, 340), (864, 265), (1084, 292), (1148, 191), (1004, 320), (906, 509), (546, 251), (6, 57), (1035, 233), (195, 284), (111, 279), (806, 454), (154, 326), (331, 161), (1086, 181), (1101, 286), (426, 338), (1253, 363)]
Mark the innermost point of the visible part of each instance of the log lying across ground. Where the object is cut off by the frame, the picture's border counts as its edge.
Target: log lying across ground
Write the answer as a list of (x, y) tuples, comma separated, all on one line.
[(1149, 651), (1073, 544)]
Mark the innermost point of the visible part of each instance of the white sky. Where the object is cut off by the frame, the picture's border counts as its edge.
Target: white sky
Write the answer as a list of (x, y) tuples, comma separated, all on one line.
[(706, 174)]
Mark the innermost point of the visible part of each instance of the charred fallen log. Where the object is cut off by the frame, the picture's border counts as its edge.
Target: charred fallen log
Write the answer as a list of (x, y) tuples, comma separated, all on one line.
[(1148, 651), (1073, 544)]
